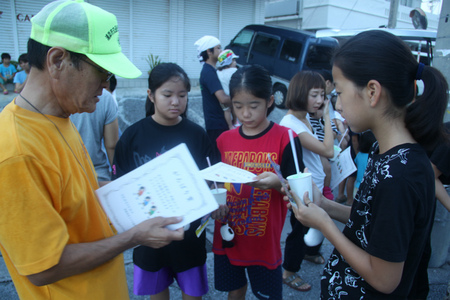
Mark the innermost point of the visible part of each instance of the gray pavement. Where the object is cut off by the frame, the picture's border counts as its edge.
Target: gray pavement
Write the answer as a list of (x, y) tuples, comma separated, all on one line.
[(131, 109)]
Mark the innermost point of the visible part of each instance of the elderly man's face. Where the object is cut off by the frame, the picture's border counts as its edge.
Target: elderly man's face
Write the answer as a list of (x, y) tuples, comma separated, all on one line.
[(83, 86)]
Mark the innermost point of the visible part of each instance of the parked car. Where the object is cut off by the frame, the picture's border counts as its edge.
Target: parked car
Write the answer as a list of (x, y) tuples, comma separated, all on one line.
[(283, 52), (421, 42)]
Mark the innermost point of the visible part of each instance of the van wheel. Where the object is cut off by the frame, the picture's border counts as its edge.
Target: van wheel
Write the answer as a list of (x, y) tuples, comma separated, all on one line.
[(279, 93)]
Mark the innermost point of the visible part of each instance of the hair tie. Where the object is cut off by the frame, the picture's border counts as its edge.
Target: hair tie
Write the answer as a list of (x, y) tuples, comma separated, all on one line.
[(419, 71)]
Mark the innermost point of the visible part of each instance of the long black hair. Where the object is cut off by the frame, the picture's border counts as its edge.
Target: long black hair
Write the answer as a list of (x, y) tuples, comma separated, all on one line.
[(381, 56), (158, 76)]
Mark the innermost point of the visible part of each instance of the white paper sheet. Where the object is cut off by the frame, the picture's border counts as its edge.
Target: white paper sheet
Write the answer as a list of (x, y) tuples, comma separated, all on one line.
[(341, 167), (222, 172), (168, 185)]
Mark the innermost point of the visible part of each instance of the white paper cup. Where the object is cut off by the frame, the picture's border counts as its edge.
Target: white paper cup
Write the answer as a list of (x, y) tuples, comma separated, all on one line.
[(220, 195), (301, 183), (337, 150)]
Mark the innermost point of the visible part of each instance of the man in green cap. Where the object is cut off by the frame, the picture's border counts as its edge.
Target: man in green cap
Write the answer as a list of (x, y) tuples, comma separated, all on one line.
[(56, 240)]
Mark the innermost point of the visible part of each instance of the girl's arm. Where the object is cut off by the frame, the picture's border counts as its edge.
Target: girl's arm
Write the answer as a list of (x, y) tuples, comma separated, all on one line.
[(324, 148), (441, 193), (382, 275), (341, 128), (265, 181), (336, 211)]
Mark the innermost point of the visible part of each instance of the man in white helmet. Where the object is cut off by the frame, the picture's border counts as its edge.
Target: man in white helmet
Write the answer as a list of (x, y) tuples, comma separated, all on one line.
[(213, 95)]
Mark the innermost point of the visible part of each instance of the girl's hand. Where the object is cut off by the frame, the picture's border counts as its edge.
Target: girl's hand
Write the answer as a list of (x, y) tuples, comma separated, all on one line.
[(265, 181), (309, 214), (326, 108), (220, 213), (317, 194)]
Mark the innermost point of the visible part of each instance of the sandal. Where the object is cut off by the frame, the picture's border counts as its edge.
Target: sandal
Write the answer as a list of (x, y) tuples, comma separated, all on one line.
[(316, 259), (297, 283), (341, 199)]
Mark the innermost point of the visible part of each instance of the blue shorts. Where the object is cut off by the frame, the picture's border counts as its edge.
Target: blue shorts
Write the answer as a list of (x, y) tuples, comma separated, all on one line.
[(265, 283), (193, 282)]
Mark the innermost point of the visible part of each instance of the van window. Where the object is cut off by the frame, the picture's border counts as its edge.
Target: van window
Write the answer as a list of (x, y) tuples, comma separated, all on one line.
[(243, 38), (291, 51), (319, 57), (265, 44)]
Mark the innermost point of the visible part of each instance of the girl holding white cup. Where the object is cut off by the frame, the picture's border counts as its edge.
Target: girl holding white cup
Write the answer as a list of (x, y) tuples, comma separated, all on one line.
[(378, 253), (306, 94)]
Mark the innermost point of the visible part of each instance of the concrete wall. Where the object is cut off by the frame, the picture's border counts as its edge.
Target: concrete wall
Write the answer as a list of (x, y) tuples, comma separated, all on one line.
[(347, 14)]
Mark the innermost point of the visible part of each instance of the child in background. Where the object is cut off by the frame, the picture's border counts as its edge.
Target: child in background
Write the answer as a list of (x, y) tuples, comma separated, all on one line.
[(366, 140), (378, 253), (318, 124), (306, 95), (155, 269), (257, 210), (7, 72), (21, 77), (226, 66)]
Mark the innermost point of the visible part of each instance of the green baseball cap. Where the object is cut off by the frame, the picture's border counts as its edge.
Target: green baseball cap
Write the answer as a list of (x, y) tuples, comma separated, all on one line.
[(83, 28)]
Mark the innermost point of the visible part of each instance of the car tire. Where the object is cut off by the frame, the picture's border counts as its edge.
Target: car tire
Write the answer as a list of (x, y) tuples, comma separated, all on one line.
[(279, 93)]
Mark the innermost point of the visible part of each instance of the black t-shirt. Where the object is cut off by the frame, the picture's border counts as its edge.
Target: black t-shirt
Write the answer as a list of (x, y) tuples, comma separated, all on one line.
[(139, 144), (391, 218)]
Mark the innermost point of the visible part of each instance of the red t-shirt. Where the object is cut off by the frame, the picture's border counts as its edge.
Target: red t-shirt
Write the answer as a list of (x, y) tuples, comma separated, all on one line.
[(256, 216)]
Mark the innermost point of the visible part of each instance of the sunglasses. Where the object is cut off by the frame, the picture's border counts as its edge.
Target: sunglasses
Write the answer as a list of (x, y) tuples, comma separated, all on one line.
[(101, 70)]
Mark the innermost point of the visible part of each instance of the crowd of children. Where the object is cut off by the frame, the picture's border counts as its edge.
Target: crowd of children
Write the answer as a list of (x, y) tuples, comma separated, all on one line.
[(362, 265), (10, 74), (389, 221)]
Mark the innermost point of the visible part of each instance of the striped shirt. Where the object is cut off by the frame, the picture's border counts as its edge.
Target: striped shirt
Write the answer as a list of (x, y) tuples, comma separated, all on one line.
[(318, 126)]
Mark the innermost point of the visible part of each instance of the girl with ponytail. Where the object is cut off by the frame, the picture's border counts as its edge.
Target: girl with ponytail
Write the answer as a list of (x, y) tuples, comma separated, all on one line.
[(378, 253)]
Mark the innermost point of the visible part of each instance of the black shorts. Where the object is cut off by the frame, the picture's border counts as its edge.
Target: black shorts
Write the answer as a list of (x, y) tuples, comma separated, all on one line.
[(265, 283)]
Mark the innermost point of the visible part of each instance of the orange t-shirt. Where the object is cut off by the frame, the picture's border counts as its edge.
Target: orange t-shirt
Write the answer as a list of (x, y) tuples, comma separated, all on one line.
[(48, 201)]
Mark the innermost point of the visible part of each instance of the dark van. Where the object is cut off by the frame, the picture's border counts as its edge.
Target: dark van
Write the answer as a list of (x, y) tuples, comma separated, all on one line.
[(283, 52)]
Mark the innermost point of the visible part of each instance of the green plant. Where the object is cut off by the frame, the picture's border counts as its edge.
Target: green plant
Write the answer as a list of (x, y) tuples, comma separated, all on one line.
[(153, 61)]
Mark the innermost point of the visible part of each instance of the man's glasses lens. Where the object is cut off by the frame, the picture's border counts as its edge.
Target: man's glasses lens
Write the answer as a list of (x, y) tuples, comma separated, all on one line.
[(108, 74)]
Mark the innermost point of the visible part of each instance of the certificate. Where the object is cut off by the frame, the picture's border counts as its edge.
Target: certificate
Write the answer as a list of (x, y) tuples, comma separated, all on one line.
[(222, 172), (167, 186), (342, 167)]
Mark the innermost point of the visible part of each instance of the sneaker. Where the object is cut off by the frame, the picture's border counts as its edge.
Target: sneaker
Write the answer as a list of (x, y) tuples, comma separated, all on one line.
[(5, 92)]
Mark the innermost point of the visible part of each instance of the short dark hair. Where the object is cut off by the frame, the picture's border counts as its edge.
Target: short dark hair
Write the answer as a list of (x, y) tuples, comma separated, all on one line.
[(112, 83), (158, 76), (37, 55), (366, 140), (253, 79), (299, 87), (205, 55), (326, 74), (6, 55), (23, 58)]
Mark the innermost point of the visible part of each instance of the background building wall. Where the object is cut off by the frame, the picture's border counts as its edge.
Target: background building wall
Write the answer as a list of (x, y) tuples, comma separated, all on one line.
[(343, 14), (166, 28)]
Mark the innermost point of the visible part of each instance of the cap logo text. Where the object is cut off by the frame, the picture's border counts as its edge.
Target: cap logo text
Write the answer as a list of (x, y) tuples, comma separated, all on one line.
[(111, 32)]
